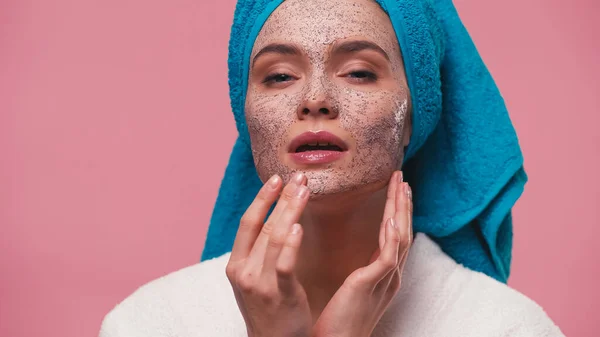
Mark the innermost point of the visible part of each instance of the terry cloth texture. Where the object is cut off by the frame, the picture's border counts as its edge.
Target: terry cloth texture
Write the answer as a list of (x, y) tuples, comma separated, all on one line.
[(463, 163)]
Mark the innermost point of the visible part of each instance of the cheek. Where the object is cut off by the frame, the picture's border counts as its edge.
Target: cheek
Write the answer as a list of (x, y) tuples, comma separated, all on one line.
[(269, 117), (376, 122)]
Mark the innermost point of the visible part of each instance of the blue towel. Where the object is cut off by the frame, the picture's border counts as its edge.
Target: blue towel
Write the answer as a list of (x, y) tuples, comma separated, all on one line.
[(463, 162)]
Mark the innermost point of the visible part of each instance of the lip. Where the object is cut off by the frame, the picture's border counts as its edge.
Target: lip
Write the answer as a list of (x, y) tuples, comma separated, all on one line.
[(316, 156), (319, 137)]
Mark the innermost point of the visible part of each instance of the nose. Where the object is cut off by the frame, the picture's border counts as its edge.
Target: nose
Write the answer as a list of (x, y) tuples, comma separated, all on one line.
[(317, 105)]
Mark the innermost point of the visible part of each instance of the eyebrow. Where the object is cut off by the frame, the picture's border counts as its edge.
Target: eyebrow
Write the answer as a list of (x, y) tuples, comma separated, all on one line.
[(357, 46), (277, 48)]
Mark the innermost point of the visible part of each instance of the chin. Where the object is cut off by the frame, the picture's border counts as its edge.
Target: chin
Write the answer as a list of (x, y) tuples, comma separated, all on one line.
[(336, 183), (344, 178)]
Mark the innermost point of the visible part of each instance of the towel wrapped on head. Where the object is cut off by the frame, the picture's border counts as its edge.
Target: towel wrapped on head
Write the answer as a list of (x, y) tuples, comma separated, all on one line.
[(463, 162)]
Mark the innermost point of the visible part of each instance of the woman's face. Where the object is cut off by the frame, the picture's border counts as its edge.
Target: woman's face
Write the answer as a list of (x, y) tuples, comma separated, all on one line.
[(327, 95)]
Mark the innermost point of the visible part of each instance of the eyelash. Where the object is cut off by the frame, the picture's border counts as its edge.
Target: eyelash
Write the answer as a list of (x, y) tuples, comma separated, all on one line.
[(367, 76), (273, 78), (364, 76)]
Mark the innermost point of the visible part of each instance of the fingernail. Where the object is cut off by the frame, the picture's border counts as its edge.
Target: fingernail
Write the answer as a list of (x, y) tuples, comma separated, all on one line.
[(301, 191), (408, 191), (297, 178), (400, 177), (274, 181), (295, 229), (391, 222)]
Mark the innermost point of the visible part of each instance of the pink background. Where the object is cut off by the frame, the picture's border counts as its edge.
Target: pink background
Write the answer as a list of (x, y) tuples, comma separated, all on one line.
[(115, 129)]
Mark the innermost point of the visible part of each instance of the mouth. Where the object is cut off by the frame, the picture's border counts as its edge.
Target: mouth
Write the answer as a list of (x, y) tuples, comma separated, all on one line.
[(317, 141), (317, 148)]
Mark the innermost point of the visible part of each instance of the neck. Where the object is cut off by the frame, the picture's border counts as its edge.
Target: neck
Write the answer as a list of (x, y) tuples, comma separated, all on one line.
[(340, 235)]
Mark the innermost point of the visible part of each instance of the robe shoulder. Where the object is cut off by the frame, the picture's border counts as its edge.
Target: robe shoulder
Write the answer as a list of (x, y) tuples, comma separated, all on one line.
[(192, 300)]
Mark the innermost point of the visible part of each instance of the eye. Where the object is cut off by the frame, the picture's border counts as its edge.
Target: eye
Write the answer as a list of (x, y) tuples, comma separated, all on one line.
[(363, 76), (278, 78)]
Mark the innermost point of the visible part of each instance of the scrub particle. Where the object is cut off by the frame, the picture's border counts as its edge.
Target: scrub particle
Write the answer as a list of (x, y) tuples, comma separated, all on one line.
[(369, 113)]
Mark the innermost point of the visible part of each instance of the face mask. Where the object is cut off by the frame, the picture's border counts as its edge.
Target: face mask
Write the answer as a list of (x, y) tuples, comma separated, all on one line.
[(332, 68)]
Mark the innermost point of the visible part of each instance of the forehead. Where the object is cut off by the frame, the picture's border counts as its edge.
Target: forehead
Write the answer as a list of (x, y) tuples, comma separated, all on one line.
[(315, 24)]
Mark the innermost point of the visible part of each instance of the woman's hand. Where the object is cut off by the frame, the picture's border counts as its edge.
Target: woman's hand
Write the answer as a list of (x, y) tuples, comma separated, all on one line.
[(357, 306), (262, 262)]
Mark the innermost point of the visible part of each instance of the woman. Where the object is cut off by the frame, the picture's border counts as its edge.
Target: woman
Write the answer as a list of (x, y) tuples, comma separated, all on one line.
[(331, 98)]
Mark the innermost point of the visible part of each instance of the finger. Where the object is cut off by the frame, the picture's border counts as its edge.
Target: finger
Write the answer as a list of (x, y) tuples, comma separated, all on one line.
[(395, 281), (372, 274), (404, 226), (403, 216), (286, 262), (409, 229), (390, 204), (257, 253), (384, 283), (393, 287), (290, 215), (297, 179), (389, 258), (252, 220)]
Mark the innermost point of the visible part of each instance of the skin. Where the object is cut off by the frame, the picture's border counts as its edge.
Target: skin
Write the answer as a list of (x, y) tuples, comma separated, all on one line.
[(262, 267), (369, 115), (344, 263)]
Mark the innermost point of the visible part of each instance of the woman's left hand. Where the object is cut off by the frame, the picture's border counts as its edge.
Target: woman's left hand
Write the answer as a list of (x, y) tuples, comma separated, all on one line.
[(359, 303)]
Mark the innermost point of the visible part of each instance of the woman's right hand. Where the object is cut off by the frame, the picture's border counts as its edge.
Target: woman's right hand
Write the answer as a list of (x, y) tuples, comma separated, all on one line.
[(263, 259)]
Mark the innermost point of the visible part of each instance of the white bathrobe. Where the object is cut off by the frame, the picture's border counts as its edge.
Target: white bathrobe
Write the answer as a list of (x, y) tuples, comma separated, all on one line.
[(438, 297)]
